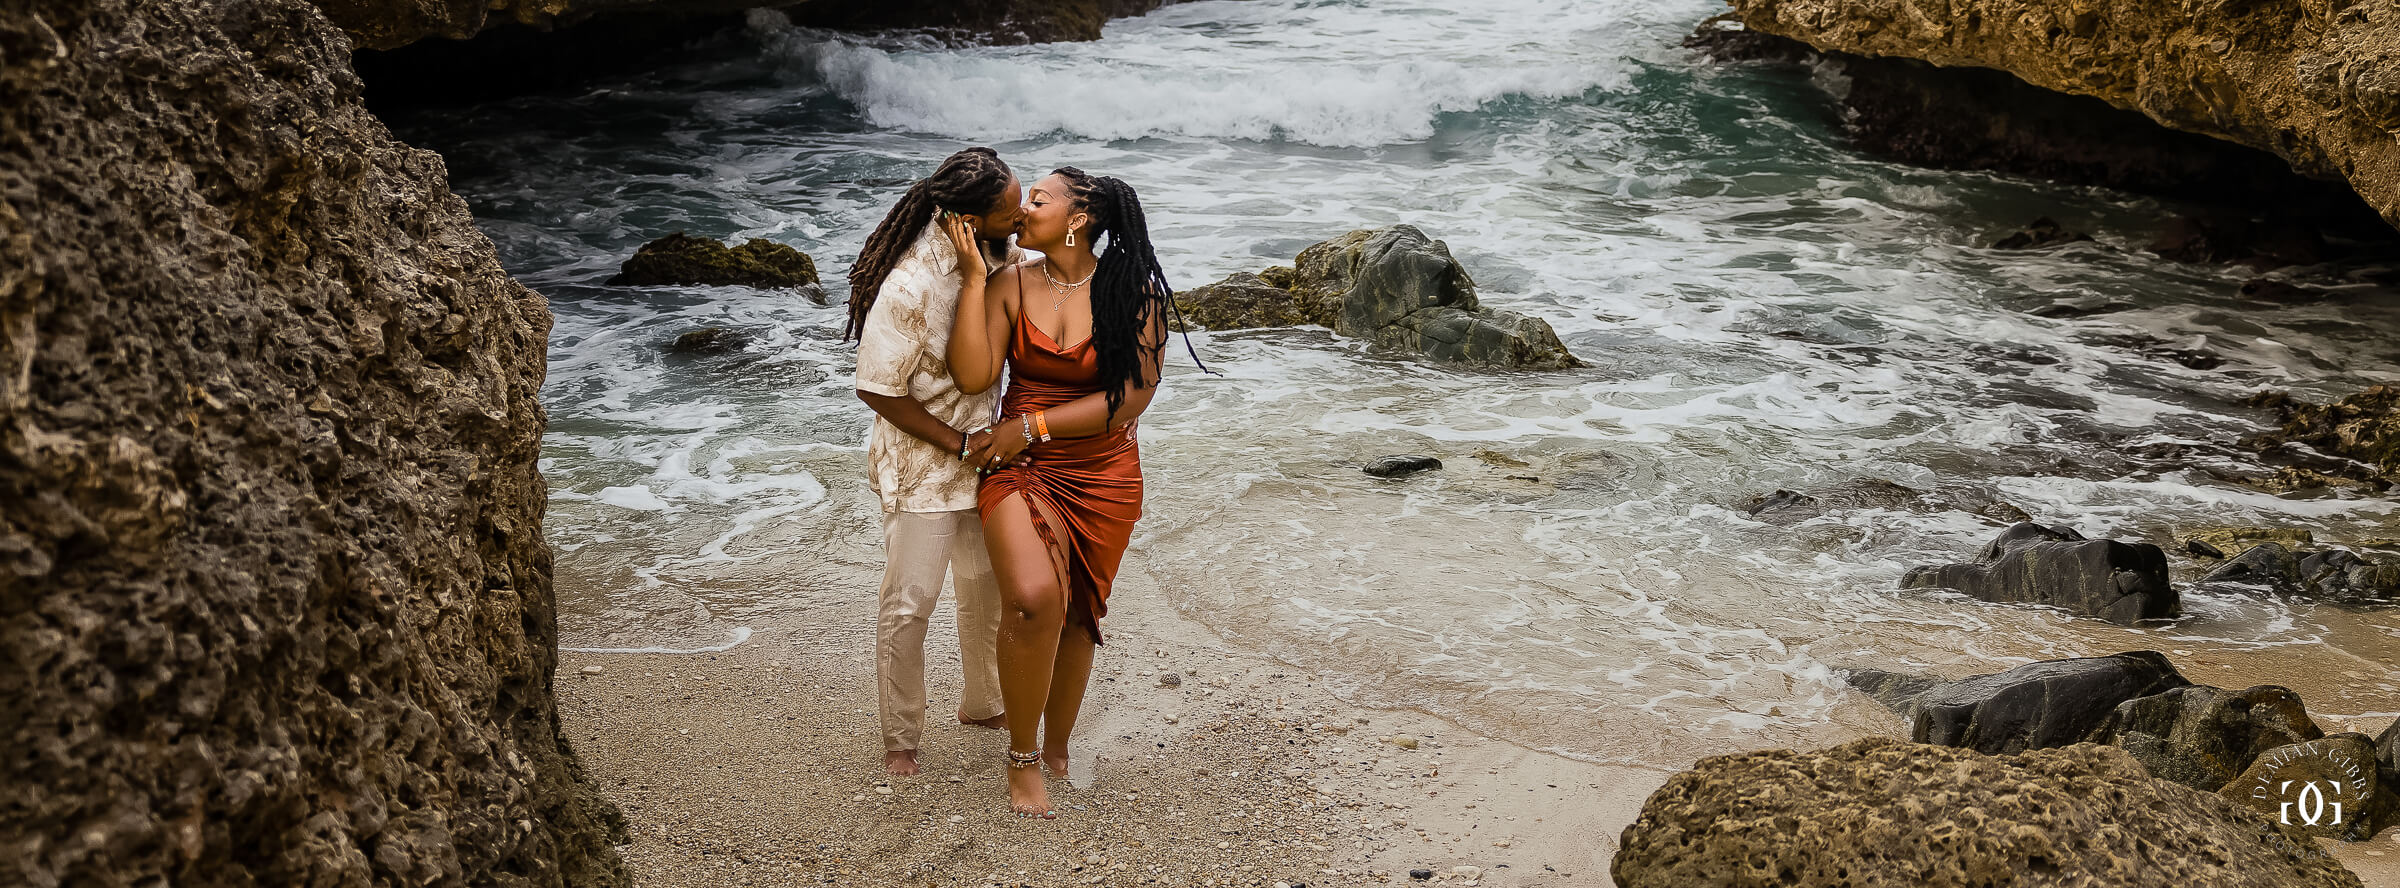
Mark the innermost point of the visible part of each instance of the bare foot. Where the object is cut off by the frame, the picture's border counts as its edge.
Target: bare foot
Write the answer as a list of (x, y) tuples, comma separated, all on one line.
[(1027, 794), (1055, 758), (900, 762), (995, 722)]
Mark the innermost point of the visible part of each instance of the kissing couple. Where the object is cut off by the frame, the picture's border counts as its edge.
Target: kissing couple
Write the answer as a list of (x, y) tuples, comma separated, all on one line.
[(1025, 495)]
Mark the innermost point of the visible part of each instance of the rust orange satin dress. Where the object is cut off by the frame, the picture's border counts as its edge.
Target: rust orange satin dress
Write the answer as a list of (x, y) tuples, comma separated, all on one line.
[(1093, 485)]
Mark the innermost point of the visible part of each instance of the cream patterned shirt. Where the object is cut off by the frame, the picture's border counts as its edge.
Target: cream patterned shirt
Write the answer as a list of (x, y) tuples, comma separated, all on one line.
[(904, 352)]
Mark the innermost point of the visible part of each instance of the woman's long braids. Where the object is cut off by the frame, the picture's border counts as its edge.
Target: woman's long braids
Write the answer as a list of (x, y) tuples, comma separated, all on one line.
[(1128, 286), (967, 182)]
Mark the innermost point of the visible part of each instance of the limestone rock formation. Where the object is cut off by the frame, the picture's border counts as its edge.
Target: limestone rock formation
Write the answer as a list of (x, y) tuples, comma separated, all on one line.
[(2316, 83), (1393, 286), (274, 594), (680, 259), (2202, 736), (2123, 583), (2034, 706), (1881, 813)]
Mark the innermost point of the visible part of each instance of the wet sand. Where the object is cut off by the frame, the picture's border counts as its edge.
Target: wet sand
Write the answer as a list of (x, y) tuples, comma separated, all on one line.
[(761, 766)]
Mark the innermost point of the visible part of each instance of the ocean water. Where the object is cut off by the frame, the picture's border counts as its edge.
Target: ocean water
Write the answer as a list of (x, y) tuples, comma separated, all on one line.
[(1762, 308)]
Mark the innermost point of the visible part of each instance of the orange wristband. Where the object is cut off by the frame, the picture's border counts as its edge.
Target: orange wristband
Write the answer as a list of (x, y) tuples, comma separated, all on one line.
[(1041, 425)]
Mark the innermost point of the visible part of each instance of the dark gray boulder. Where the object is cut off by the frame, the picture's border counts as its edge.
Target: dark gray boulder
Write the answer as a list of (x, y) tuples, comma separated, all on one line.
[(1881, 813), (2123, 583), (1393, 286), (1398, 466), (2335, 574), (2202, 736), (2034, 706)]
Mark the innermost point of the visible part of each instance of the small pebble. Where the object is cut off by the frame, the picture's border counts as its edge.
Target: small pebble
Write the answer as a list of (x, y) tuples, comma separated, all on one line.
[(883, 790), (858, 798), (592, 670), (1170, 680), (1420, 874), (954, 818), (1404, 741), (1466, 872)]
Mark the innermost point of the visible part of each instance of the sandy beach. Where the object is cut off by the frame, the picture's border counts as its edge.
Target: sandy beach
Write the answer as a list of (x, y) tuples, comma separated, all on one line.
[(760, 766)]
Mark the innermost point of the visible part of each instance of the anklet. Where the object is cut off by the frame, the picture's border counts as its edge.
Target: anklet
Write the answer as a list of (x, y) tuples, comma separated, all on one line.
[(1023, 760)]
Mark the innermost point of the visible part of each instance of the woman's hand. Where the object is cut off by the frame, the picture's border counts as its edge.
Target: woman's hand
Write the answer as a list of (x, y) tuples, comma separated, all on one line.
[(971, 267), (998, 447)]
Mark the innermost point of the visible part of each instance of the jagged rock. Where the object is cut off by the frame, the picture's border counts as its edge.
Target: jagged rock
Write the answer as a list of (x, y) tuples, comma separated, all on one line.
[(2202, 736), (1880, 813), (1245, 300), (2239, 539), (680, 259), (2386, 810), (2044, 232), (386, 24), (2299, 786), (2309, 83), (2266, 564), (2034, 706), (274, 593), (1397, 466), (2364, 427), (983, 22), (709, 341), (1393, 286), (2081, 307), (1787, 507), (2330, 573), (2123, 583)]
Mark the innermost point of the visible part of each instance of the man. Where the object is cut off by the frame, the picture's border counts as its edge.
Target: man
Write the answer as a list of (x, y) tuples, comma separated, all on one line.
[(904, 294)]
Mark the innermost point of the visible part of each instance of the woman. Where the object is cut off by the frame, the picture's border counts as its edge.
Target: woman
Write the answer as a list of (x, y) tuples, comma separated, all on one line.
[(1083, 338)]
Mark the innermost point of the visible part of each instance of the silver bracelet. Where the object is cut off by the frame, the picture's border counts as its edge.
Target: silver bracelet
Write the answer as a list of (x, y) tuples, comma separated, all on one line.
[(1028, 430)]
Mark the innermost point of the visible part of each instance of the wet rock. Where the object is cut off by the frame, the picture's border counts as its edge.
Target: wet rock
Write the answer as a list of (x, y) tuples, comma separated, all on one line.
[(2238, 539), (2081, 307), (710, 341), (680, 259), (1883, 812), (1244, 300), (1788, 507), (1399, 466), (2123, 583), (977, 23), (2328, 787), (278, 607), (1723, 38), (2257, 243), (2266, 564), (2386, 811), (1393, 286), (2202, 549), (2205, 71), (2282, 292), (2034, 706), (2044, 232), (2364, 427), (2202, 736), (2335, 574)]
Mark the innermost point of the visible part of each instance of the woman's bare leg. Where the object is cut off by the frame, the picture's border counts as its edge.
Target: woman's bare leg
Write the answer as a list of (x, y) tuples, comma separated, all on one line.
[(1069, 675), (1033, 609)]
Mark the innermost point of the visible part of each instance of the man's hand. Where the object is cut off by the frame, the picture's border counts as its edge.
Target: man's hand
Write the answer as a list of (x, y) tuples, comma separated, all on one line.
[(996, 448)]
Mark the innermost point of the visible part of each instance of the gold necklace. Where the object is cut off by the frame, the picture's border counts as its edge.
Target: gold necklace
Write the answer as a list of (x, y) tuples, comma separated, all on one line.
[(1062, 289)]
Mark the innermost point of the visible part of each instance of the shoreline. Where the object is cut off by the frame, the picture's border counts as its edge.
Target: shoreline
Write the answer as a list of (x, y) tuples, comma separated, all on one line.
[(760, 765)]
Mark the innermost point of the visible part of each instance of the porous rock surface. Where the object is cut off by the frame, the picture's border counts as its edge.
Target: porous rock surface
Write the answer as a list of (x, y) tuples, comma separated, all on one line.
[(1882, 813), (2316, 82), (275, 603)]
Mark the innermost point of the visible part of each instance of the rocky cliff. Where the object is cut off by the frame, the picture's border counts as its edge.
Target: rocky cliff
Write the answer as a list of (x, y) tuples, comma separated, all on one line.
[(2316, 82), (388, 24), (275, 603)]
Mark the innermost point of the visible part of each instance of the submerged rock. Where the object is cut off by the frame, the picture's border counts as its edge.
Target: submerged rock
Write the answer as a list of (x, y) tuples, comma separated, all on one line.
[(709, 341), (2123, 583), (2034, 706), (2330, 573), (2282, 292), (2231, 540), (2044, 232), (2202, 736), (680, 259), (2364, 427), (1880, 812), (1397, 466), (1393, 286), (277, 604), (1788, 507)]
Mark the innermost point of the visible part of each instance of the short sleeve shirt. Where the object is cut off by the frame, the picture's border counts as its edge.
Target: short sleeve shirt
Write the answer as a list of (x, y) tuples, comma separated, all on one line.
[(904, 352)]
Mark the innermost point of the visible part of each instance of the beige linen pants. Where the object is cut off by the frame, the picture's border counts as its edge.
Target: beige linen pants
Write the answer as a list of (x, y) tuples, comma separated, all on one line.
[(918, 548)]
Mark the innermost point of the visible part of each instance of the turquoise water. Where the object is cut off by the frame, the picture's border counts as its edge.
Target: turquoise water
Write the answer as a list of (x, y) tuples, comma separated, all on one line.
[(1762, 309)]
